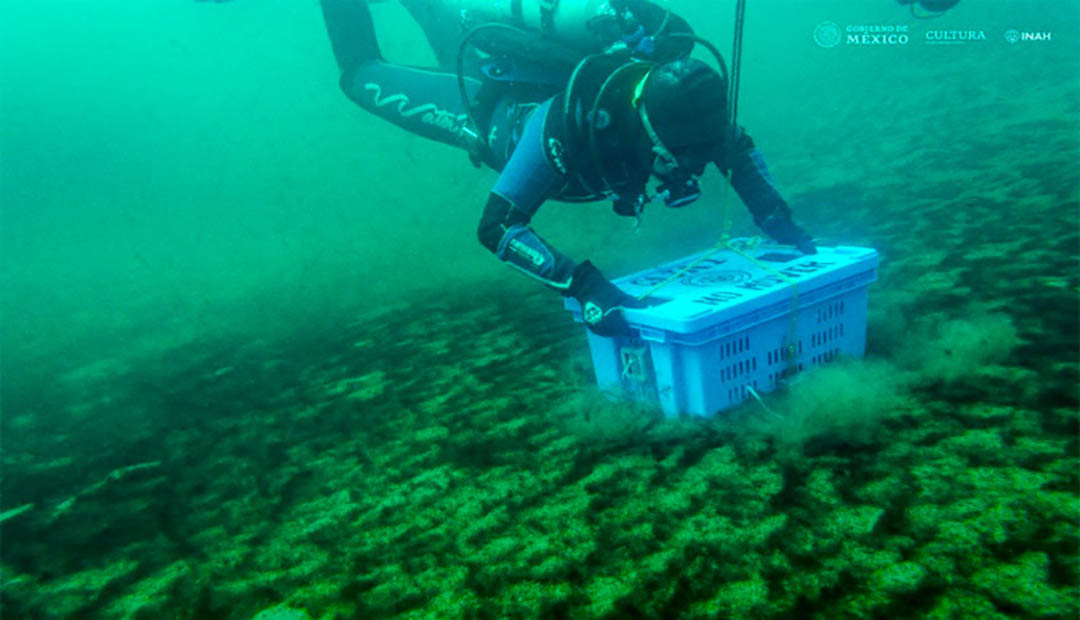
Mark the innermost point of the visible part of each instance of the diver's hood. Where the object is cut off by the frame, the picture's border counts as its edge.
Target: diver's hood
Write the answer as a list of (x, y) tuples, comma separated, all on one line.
[(598, 106), (683, 104)]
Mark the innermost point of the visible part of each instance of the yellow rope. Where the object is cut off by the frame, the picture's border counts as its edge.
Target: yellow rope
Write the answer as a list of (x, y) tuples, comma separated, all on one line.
[(725, 244), (720, 245), (793, 328)]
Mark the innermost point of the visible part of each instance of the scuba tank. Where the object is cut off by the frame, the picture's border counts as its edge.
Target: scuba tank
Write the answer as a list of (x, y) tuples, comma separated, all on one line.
[(578, 27), (547, 42), (539, 42), (583, 25)]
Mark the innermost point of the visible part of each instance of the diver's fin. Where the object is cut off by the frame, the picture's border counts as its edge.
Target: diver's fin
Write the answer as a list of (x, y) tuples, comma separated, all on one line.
[(352, 32)]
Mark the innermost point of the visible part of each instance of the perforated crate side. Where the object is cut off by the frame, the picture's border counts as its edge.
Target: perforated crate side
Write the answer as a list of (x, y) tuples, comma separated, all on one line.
[(711, 377)]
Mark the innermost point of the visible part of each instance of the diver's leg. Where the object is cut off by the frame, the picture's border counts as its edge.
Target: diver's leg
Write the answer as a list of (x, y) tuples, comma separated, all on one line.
[(441, 22), (352, 32), (425, 102)]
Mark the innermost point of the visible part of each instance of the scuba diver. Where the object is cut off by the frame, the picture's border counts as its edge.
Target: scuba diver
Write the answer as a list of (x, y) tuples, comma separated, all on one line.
[(569, 100)]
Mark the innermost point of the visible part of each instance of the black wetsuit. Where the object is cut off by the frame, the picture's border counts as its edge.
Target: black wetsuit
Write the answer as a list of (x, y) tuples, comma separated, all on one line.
[(428, 102)]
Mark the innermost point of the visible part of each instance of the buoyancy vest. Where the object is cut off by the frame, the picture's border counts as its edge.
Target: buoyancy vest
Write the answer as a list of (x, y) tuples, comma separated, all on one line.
[(592, 134)]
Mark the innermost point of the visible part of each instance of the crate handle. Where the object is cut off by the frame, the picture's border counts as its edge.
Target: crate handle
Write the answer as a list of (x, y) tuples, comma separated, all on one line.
[(633, 366)]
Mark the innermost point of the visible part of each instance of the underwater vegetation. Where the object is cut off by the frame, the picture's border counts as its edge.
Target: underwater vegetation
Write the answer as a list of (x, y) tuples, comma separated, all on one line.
[(463, 472)]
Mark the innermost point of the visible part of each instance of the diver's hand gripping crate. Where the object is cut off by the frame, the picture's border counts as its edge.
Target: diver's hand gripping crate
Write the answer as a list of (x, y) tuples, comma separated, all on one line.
[(729, 326)]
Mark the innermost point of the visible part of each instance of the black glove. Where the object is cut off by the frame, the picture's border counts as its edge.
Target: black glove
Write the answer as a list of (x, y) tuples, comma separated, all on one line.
[(601, 301), (782, 229)]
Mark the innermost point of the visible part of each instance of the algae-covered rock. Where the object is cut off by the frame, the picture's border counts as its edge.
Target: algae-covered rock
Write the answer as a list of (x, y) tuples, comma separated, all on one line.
[(152, 595), (985, 412), (978, 446), (364, 387), (607, 592), (934, 475), (884, 491), (1034, 451), (960, 603), (1023, 584), (758, 532), (852, 521), (78, 591), (396, 590), (532, 599), (281, 612), (819, 491), (737, 599), (900, 578)]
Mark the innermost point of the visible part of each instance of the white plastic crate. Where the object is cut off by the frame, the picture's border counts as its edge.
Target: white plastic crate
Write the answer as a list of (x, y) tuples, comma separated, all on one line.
[(726, 325)]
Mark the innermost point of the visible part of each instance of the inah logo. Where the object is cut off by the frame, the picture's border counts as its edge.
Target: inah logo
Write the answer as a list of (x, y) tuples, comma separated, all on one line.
[(827, 34), (1015, 36)]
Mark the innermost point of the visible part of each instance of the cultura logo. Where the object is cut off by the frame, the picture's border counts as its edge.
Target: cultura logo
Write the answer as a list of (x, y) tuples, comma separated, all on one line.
[(827, 34), (954, 36)]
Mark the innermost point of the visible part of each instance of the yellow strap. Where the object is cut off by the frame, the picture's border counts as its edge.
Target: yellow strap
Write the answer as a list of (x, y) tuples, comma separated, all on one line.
[(720, 245), (639, 90), (725, 244)]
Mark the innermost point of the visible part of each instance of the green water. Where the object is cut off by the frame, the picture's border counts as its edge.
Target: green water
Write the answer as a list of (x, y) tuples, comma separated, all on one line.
[(254, 360)]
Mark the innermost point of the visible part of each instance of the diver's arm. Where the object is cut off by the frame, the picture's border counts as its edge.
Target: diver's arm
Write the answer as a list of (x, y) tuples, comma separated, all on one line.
[(754, 184), (752, 181), (505, 231), (524, 184)]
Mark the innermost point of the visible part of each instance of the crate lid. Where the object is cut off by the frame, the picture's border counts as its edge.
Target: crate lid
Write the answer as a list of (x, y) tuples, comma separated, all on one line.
[(726, 285)]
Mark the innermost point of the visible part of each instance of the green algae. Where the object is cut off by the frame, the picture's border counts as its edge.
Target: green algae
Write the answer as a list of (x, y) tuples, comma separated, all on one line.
[(486, 510), (458, 508)]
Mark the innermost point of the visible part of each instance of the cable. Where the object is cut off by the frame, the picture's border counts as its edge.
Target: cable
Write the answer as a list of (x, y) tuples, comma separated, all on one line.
[(704, 43), (461, 64), (736, 72)]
